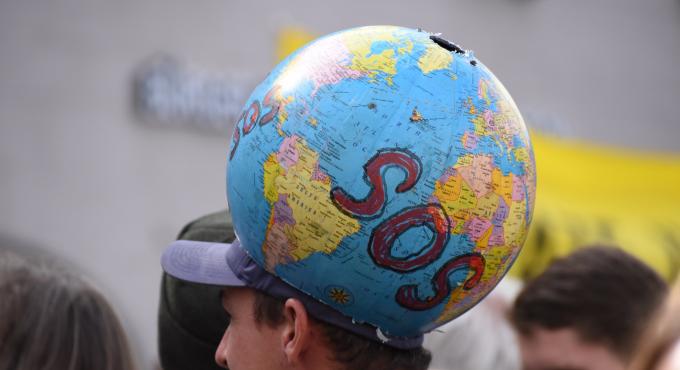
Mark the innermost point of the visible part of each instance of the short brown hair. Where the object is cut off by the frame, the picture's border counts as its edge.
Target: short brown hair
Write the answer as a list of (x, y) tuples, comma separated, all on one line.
[(604, 293), (352, 351)]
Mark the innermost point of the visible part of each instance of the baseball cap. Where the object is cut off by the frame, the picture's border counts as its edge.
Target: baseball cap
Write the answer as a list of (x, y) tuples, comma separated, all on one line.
[(227, 264)]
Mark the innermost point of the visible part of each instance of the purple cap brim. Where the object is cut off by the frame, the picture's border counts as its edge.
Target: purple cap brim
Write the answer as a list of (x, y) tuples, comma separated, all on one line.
[(230, 265), (200, 262)]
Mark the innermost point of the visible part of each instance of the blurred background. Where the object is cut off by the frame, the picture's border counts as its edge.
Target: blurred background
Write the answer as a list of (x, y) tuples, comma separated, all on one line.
[(115, 119)]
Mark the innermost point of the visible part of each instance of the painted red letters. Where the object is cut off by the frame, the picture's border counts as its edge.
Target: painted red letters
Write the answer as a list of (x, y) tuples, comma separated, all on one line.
[(374, 203), (251, 117), (407, 295), (385, 235)]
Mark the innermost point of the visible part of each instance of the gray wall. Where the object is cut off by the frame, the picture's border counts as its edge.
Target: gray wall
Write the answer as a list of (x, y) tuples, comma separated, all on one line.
[(82, 176)]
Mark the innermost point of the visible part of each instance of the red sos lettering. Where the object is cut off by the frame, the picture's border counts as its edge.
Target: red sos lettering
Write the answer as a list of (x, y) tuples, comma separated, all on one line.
[(252, 117), (374, 203), (386, 233)]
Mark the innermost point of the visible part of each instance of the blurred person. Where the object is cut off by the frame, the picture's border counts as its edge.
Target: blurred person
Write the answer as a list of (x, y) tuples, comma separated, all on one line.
[(480, 339), (660, 346), (191, 320), (53, 320), (586, 311)]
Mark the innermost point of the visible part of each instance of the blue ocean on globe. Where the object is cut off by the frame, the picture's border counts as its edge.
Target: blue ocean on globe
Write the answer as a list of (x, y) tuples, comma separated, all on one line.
[(386, 174)]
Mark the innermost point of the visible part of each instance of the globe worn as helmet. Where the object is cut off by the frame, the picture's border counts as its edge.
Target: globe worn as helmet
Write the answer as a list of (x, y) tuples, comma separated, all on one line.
[(385, 172)]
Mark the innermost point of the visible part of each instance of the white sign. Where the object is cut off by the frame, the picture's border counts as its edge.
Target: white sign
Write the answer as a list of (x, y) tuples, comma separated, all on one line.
[(167, 94)]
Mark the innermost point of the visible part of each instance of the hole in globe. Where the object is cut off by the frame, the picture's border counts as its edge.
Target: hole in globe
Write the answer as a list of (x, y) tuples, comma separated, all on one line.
[(446, 44)]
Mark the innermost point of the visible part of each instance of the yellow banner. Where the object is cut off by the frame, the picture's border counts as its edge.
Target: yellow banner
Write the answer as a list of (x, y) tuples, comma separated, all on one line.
[(588, 194), (290, 39)]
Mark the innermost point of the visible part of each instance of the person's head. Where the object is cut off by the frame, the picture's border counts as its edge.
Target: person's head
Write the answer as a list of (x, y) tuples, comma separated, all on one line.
[(659, 348), (272, 325), (381, 181), (272, 333), (586, 311), (192, 321), (52, 319)]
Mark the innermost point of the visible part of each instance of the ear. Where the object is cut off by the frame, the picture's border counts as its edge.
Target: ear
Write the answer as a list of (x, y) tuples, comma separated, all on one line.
[(296, 335)]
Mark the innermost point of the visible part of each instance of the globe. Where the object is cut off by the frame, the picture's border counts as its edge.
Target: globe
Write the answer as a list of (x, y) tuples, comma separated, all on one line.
[(387, 173)]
